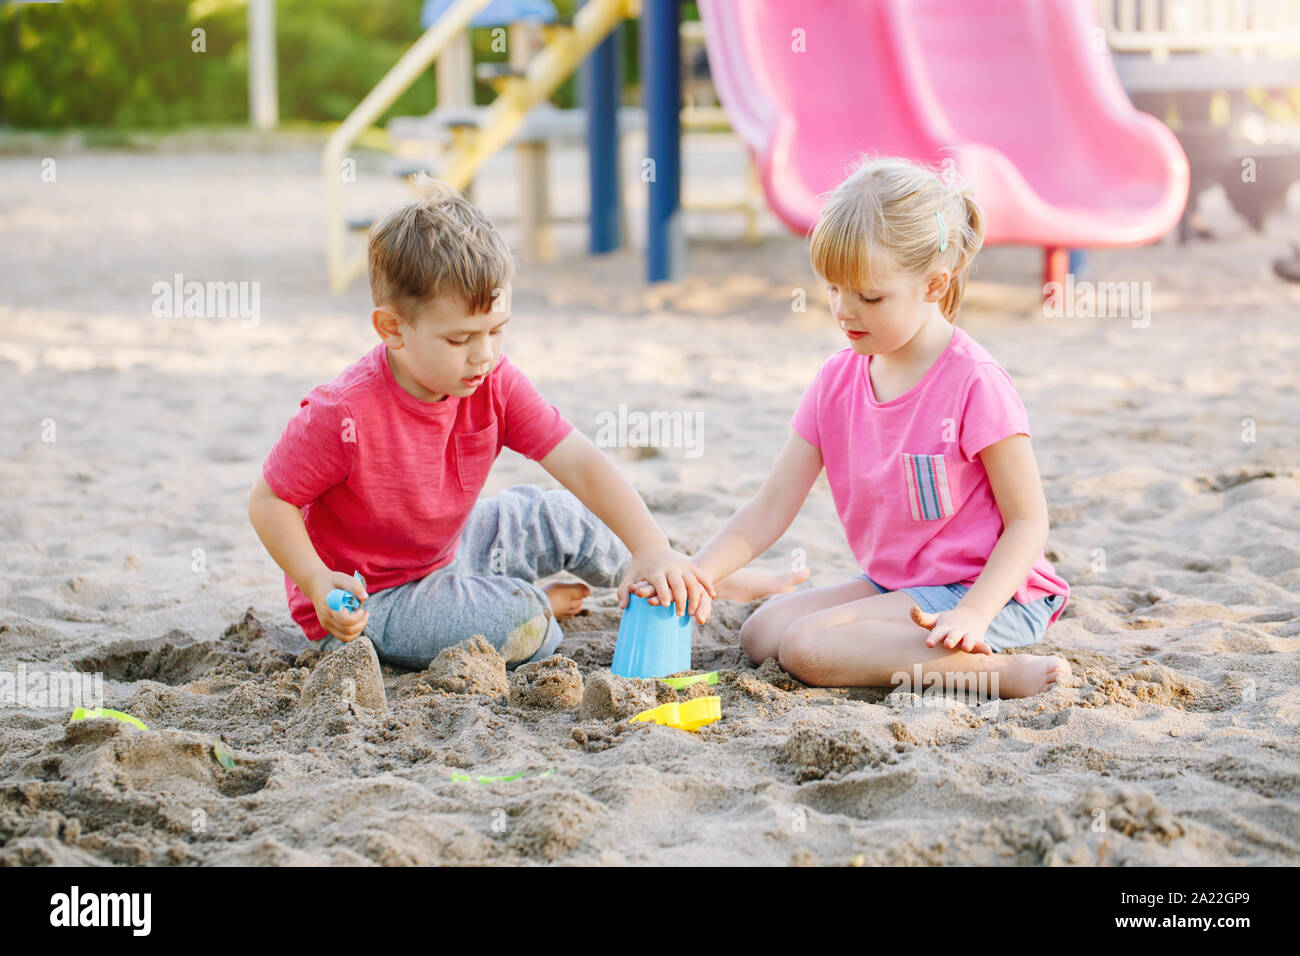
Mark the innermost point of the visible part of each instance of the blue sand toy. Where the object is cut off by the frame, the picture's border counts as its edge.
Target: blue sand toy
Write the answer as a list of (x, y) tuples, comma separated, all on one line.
[(341, 600), (652, 640)]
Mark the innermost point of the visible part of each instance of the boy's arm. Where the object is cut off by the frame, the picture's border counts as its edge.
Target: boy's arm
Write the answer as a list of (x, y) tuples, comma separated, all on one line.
[(283, 533), (756, 526), (596, 481)]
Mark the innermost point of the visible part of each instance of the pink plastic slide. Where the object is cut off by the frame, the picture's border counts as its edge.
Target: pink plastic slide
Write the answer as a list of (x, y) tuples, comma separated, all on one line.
[(1021, 96)]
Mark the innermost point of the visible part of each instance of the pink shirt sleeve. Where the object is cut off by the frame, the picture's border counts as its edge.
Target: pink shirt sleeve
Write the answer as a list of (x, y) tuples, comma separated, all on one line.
[(991, 410), (314, 452), (804, 421), (533, 426)]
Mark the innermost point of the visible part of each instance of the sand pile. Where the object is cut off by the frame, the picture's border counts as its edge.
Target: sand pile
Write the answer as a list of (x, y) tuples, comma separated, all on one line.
[(1170, 461)]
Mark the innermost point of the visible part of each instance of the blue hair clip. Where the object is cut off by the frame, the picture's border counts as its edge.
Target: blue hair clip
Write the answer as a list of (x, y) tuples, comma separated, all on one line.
[(943, 232)]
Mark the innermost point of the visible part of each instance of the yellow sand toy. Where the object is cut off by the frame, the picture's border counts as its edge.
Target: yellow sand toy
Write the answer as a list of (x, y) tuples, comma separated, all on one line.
[(688, 715)]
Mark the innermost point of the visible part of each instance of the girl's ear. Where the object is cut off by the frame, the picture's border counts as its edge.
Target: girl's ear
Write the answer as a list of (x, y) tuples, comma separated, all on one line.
[(937, 285)]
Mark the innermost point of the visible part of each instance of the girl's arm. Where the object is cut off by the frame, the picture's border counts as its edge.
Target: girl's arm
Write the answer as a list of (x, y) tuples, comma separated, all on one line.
[(756, 526), (1018, 490)]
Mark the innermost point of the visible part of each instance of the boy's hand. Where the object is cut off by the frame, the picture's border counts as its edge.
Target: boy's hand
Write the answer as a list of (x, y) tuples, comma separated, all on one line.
[(674, 579), (345, 625)]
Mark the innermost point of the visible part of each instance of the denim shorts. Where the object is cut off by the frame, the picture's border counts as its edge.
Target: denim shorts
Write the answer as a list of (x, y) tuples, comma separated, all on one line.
[(1016, 625)]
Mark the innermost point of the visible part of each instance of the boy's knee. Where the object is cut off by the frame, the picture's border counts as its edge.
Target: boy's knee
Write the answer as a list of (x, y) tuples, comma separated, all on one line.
[(529, 499), (563, 500), (526, 621), (549, 647)]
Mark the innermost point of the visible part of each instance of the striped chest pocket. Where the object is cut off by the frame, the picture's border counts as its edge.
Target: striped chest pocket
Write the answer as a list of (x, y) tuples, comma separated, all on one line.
[(926, 480)]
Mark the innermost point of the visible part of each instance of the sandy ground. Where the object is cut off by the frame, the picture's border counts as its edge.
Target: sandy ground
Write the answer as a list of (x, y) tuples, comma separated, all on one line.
[(127, 551)]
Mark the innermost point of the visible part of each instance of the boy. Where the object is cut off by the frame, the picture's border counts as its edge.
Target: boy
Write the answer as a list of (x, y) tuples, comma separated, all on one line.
[(380, 471)]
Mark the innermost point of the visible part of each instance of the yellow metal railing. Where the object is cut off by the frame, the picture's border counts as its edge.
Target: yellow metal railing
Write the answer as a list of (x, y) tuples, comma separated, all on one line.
[(545, 72)]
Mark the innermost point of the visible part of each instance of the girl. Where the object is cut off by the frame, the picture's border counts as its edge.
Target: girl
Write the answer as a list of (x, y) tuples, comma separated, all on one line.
[(926, 447)]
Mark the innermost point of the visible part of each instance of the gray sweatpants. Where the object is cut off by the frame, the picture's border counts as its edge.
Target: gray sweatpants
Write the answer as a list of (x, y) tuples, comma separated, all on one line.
[(510, 542)]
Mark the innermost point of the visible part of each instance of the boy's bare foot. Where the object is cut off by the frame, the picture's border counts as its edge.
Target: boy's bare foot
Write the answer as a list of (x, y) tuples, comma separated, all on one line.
[(750, 584), (566, 597), (1024, 675)]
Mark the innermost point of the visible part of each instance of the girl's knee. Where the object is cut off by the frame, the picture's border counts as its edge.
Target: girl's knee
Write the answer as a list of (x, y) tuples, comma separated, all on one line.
[(759, 637), (801, 653)]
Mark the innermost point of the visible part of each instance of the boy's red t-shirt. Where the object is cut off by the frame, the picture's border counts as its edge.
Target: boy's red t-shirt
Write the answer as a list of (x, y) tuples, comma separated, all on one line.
[(385, 481)]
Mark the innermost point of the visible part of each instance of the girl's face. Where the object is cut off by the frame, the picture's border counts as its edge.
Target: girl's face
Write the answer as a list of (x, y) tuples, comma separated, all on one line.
[(887, 316), (444, 351)]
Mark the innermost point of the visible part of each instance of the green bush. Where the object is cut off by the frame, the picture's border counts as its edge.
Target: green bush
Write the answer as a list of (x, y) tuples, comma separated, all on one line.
[(129, 63), (86, 63)]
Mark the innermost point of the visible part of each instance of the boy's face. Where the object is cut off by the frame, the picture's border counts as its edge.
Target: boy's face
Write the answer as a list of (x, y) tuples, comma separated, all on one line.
[(441, 349), (886, 316)]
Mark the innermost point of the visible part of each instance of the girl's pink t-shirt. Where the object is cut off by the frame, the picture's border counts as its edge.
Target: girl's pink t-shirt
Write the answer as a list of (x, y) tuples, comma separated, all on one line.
[(385, 481), (913, 497)]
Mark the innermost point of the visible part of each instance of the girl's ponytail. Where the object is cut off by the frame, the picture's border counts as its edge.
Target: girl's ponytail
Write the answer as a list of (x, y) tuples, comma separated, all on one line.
[(967, 237)]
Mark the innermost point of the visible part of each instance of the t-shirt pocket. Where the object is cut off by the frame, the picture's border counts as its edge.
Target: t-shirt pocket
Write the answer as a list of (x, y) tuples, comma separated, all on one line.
[(475, 452), (925, 481)]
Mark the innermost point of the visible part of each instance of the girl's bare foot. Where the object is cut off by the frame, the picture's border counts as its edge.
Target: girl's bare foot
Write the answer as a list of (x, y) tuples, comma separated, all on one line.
[(750, 584), (566, 597), (1024, 675)]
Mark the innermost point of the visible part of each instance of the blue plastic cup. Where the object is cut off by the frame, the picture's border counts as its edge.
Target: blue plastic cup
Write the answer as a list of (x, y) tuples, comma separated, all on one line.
[(652, 640)]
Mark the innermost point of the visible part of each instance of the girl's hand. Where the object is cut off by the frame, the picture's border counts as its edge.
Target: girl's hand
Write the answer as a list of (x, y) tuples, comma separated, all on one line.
[(958, 629), (646, 590), (345, 625), (672, 578)]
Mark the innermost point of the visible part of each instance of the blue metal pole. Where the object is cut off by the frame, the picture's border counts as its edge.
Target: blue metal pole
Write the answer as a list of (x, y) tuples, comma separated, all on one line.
[(661, 80), (601, 84), (1078, 262)]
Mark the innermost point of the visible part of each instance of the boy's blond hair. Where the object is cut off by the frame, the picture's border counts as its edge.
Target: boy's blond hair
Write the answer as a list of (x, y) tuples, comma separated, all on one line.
[(440, 245), (883, 214)]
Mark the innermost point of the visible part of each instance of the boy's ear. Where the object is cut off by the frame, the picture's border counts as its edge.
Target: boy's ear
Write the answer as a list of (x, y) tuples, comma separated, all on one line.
[(387, 325)]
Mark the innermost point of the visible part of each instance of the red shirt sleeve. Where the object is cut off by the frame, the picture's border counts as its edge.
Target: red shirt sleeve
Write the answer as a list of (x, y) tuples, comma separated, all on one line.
[(314, 452), (533, 426), (991, 410)]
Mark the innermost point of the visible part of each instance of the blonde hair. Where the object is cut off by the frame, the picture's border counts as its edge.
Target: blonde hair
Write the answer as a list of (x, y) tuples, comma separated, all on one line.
[(883, 216), (439, 245)]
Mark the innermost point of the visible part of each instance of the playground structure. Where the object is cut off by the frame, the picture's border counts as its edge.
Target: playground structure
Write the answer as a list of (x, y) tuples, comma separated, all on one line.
[(1197, 64), (976, 88)]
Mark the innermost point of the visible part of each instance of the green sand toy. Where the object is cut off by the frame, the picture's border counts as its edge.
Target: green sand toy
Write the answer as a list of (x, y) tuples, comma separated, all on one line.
[(503, 777), (679, 682), (81, 713), (222, 754)]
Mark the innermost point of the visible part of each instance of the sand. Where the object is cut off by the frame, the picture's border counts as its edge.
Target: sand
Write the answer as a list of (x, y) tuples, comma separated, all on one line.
[(127, 551)]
